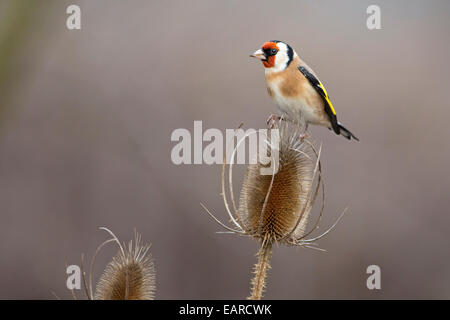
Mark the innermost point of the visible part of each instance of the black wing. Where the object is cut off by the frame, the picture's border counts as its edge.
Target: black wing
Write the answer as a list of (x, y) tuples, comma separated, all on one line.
[(317, 85)]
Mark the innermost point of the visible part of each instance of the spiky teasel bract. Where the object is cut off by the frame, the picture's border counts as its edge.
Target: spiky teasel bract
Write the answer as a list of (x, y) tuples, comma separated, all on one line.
[(129, 276), (276, 208)]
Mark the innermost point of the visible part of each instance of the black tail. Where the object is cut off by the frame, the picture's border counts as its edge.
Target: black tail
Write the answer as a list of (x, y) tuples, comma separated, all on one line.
[(346, 133)]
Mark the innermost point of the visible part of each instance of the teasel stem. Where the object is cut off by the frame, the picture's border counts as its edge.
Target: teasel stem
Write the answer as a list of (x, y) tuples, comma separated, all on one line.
[(260, 270)]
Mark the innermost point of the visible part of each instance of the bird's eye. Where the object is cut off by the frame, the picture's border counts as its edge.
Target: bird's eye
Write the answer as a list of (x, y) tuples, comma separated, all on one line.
[(274, 51)]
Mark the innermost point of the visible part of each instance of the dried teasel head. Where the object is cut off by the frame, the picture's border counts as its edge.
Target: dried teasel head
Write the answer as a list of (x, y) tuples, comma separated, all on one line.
[(130, 275), (277, 207)]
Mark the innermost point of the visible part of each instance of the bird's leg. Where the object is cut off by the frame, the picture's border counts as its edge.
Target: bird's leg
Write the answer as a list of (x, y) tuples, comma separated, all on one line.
[(272, 120), (305, 133)]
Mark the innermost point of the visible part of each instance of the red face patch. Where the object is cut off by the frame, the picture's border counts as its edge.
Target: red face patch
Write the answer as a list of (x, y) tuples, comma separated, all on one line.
[(267, 47)]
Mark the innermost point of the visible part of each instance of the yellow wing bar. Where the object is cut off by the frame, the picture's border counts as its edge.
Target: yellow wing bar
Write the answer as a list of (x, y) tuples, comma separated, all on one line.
[(327, 98)]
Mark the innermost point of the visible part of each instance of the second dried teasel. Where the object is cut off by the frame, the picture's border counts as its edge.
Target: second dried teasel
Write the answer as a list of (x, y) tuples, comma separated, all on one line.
[(129, 276)]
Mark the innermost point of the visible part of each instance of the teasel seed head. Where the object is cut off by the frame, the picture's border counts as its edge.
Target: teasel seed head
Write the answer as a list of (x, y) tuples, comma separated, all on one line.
[(275, 208), (130, 275)]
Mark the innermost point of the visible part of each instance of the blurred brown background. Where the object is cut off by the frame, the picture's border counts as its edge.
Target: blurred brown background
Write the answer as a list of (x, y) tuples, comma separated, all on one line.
[(86, 118)]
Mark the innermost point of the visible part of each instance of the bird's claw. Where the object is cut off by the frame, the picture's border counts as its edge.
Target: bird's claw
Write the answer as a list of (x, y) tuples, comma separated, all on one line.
[(272, 120), (302, 136)]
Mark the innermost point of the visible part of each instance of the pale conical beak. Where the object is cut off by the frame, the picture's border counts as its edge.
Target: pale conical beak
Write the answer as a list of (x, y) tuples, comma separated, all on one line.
[(259, 54)]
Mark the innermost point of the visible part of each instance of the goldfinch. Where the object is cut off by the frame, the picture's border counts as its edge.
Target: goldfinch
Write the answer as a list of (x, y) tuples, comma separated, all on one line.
[(296, 89)]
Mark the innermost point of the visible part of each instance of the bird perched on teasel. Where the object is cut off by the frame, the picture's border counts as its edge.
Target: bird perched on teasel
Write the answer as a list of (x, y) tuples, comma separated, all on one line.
[(296, 89)]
